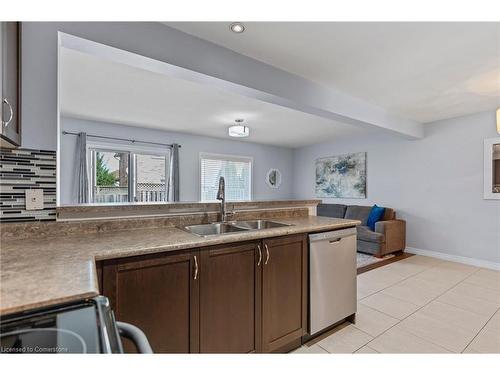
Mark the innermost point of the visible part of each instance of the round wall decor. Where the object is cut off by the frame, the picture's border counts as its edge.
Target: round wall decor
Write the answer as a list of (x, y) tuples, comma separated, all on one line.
[(273, 178)]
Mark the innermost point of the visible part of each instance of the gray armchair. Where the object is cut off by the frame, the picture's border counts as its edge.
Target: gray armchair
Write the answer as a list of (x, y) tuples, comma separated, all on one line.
[(389, 235), (394, 232)]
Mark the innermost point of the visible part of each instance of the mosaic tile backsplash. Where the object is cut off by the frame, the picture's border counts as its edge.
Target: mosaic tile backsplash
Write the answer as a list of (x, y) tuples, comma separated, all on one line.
[(23, 169)]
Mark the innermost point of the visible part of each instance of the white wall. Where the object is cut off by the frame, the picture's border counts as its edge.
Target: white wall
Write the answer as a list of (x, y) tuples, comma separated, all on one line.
[(265, 157), (436, 184)]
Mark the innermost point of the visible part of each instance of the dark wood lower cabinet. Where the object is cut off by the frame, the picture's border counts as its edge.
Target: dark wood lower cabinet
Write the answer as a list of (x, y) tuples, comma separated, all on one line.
[(230, 299), (238, 298), (159, 294), (284, 291)]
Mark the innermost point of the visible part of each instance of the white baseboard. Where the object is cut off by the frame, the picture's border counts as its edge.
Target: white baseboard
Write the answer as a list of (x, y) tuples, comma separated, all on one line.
[(455, 258)]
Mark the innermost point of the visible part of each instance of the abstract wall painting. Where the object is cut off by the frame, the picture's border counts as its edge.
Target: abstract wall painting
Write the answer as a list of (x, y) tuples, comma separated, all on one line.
[(342, 176)]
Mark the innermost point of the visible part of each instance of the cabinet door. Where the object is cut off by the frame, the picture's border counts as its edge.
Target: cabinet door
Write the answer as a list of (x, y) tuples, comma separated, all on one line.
[(160, 295), (284, 291), (230, 299), (10, 83)]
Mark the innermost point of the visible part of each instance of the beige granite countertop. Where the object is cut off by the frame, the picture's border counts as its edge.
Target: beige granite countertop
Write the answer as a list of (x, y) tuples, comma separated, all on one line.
[(41, 272)]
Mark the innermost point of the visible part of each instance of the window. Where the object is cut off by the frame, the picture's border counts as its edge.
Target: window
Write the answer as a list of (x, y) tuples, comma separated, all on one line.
[(128, 174), (237, 173), (110, 176), (151, 181)]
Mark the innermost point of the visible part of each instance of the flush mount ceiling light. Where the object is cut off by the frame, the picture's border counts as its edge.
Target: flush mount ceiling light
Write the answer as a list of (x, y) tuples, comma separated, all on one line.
[(237, 27), (239, 131)]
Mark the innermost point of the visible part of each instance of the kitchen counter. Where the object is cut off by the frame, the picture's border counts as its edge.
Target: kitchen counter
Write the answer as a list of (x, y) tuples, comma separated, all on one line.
[(38, 272)]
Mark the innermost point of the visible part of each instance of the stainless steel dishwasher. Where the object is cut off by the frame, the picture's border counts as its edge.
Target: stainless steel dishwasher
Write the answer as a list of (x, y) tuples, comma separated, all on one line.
[(332, 275)]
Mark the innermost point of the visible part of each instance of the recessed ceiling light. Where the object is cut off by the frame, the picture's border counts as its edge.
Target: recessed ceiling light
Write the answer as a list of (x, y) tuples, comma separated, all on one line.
[(239, 131), (237, 27)]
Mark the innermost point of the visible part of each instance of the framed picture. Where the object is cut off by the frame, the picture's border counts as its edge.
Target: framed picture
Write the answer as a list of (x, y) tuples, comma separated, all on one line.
[(342, 176), (492, 168)]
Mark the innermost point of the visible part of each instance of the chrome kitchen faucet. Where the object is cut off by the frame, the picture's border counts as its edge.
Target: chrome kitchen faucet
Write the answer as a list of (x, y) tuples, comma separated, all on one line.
[(221, 195)]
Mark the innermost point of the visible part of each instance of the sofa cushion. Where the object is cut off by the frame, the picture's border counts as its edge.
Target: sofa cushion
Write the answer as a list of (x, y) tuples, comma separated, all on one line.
[(331, 210), (366, 234), (376, 214), (358, 213)]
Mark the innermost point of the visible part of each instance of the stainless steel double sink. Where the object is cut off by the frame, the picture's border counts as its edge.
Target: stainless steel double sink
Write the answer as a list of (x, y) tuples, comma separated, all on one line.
[(205, 230)]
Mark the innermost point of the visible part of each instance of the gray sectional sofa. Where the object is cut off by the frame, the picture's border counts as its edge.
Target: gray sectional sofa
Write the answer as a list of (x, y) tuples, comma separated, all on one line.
[(389, 235)]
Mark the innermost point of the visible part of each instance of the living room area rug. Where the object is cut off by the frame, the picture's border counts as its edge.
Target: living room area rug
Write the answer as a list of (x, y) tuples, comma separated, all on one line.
[(364, 260)]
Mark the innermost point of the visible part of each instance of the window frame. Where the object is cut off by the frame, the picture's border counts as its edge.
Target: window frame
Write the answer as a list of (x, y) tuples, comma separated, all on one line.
[(225, 157), (131, 150)]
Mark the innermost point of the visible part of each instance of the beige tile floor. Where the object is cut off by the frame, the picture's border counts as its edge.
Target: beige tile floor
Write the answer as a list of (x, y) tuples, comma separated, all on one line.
[(421, 305)]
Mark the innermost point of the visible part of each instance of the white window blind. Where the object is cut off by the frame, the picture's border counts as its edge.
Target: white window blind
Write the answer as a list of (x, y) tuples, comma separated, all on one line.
[(236, 170)]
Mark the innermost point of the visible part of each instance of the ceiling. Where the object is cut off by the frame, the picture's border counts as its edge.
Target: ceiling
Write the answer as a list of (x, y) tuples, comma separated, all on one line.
[(421, 71), (99, 89)]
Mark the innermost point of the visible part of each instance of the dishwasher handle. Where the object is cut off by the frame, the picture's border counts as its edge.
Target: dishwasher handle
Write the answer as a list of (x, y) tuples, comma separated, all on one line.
[(134, 334), (335, 240)]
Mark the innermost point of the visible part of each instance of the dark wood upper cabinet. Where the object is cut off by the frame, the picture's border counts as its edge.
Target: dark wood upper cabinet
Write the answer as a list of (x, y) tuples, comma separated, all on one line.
[(10, 84), (160, 295), (284, 291), (230, 299)]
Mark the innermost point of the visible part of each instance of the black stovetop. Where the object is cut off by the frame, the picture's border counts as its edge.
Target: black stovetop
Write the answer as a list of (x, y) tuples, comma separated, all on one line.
[(87, 326)]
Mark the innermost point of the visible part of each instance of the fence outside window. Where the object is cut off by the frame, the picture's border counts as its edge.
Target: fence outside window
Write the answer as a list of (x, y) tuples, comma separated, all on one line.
[(144, 193)]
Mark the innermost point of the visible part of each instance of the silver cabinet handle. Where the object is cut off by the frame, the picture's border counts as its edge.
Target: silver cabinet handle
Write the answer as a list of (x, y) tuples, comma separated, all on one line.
[(267, 254), (6, 123), (195, 268), (260, 256)]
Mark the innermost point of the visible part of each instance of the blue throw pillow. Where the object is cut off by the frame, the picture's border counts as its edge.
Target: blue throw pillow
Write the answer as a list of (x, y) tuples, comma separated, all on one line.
[(376, 214)]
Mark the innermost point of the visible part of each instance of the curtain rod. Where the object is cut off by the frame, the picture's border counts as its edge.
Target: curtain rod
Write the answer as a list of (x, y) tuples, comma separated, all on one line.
[(120, 139)]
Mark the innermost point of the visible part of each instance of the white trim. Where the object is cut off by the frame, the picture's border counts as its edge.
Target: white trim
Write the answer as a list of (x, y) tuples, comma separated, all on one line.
[(488, 168), (58, 121), (455, 258), (231, 157)]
